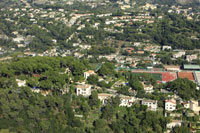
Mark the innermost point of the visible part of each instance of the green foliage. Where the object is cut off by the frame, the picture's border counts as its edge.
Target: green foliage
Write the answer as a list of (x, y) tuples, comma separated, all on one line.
[(185, 88), (182, 129), (101, 50), (107, 69), (22, 110), (93, 79)]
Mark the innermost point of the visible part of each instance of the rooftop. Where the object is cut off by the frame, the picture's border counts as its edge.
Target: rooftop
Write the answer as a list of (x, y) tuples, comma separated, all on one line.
[(190, 66)]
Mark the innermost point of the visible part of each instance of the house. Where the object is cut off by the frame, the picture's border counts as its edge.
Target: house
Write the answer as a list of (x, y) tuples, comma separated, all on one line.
[(174, 123), (84, 90), (195, 106), (151, 104), (126, 100), (21, 83), (186, 105), (89, 73), (166, 47), (170, 105), (172, 68), (148, 88), (179, 54), (190, 58), (103, 97)]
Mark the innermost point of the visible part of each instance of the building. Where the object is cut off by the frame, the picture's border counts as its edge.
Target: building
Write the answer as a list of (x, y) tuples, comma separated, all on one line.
[(191, 67), (195, 106), (174, 123), (179, 54), (89, 73), (103, 97), (126, 100), (166, 47), (151, 104), (172, 68), (148, 88), (190, 58), (186, 105), (170, 105), (84, 90), (21, 83)]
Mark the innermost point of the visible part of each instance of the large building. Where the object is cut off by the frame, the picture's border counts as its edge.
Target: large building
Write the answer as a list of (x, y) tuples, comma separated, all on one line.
[(191, 67), (103, 97), (84, 90), (170, 105), (151, 104), (126, 100), (89, 73), (195, 106)]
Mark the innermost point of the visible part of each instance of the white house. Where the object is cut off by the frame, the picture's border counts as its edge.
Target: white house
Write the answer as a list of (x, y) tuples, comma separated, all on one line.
[(166, 47), (179, 54), (84, 90), (151, 104), (174, 123), (148, 88), (126, 100), (195, 106), (104, 97), (190, 58), (21, 83), (170, 105), (89, 73), (186, 105)]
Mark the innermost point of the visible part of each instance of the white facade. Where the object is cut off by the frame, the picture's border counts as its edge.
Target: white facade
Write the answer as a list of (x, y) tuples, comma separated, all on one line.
[(170, 105), (88, 73), (166, 47), (174, 123), (103, 97), (21, 83), (189, 58), (151, 104), (126, 101), (148, 88), (195, 106), (179, 54), (84, 90)]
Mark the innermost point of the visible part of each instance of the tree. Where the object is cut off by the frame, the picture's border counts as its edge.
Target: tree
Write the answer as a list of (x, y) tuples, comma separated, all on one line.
[(100, 123), (107, 69), (94, 102), (136, 85), (185, 88), (93, 79)]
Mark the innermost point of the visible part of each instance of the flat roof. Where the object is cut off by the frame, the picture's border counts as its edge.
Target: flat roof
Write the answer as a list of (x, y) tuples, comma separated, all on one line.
[(190, 66)]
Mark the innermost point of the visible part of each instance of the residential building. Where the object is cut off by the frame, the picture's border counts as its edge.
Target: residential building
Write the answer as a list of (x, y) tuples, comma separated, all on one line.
[(21, 83), (195, 106), (179, 54), (103, 97), (174, 123), (170, 105), (148, 88), (89, 73), (190, 58), (151, 104), (84, 90), (126, 100), (166, 47), (172, 68)]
